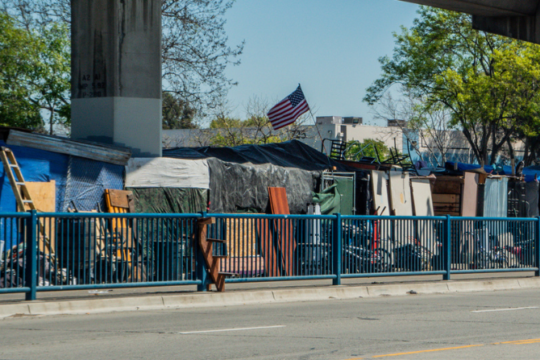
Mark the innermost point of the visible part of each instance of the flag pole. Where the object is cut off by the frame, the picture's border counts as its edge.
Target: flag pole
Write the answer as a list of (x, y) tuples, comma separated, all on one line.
[(316, 126)]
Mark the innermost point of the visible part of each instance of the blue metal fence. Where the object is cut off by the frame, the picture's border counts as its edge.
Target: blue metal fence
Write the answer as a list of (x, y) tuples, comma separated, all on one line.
[(68, 251)]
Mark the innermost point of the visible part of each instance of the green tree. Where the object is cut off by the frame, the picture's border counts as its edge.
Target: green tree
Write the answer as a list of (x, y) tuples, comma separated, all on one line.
[(487, 83), (177, 114), (34, 79), (366, 148)]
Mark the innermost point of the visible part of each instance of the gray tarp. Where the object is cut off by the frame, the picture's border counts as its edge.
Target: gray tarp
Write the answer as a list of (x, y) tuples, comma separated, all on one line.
[(237, 187)]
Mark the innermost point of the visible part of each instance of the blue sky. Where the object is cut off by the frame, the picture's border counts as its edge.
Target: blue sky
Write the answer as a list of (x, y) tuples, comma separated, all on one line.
[(331, 47)]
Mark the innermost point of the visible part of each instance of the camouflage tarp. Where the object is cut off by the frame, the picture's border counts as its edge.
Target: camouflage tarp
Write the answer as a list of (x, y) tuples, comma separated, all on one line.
[(169, 200)]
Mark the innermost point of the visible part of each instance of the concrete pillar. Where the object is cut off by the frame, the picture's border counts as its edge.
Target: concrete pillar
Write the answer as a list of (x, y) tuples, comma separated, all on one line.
[(116, 73)]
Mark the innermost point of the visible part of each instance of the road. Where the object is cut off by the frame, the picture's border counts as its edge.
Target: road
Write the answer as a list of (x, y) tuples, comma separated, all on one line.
[(489, 325)]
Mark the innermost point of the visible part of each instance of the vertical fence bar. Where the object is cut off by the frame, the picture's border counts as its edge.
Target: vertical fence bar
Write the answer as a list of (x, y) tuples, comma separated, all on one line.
[(337, 250), (447, 248), (31, 255), (537, 248)]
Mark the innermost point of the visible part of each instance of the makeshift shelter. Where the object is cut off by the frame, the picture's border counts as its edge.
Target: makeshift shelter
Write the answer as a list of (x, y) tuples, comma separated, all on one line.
[(240, 176)]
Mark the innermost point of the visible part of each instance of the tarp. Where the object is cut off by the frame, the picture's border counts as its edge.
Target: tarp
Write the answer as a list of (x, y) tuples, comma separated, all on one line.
[(82, 181), (528, 172), (496, 197), (169, 200), (240, 176), (345, 188), (329, 200), (167, 173), (294, 154), (244, 187)]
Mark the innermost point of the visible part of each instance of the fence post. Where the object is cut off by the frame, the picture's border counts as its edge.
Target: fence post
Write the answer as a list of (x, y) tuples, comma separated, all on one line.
[(31, 255), (337, 249), (447, 248), (201, 271), (537, 248)]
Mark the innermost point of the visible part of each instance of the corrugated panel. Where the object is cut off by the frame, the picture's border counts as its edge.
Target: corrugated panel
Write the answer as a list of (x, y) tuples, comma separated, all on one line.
[(496, 197), (278, 201)]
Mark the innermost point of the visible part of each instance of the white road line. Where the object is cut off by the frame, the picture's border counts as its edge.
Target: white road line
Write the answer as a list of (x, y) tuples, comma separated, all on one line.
[(507, 309), (237, 329)]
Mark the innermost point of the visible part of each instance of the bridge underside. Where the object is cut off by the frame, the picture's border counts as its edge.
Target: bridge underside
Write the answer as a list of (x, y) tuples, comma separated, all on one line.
[(518, 19)]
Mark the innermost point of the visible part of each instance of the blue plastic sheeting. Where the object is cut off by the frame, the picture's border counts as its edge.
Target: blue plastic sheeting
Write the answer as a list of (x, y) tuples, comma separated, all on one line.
[(78, 180), (528, 172), (86, 182)]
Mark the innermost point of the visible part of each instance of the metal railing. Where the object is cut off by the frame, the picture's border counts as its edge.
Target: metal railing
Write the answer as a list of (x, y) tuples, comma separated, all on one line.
[(69, 251)]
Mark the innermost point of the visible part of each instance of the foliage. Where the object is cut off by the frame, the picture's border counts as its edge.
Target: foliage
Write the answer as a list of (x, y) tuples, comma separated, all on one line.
[(34, 78), (367, 148), (487, 83), (177, 114), (195, 45)]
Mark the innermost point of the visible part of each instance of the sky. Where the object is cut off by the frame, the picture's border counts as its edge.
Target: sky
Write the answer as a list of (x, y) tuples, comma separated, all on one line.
[(330, 47)]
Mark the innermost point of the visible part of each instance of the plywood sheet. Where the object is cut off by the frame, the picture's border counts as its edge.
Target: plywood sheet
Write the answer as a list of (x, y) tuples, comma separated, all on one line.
[(423, 202), (448, 185), (379, 188), (400, 194), (43, 195), (423, 206), (119, 198), (469, 201)]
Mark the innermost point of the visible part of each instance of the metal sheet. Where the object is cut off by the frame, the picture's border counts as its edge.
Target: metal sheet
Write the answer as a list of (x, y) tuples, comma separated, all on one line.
[(379, 186), (469, 196), (423, 206), (496, 197)]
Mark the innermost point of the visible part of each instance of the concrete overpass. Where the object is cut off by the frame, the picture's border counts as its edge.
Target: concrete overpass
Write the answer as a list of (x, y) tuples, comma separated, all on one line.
[(518, 19)]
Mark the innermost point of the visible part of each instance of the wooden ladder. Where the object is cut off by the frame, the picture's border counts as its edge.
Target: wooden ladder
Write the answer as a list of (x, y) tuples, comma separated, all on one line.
[(18, 185), (212, 261)]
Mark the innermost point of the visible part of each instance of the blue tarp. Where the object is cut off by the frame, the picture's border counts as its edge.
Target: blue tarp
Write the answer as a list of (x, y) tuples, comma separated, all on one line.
[(528, 172), (82, 181)]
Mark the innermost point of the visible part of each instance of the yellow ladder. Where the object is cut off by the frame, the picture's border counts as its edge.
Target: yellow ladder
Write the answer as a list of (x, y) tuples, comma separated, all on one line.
[(22, 195)]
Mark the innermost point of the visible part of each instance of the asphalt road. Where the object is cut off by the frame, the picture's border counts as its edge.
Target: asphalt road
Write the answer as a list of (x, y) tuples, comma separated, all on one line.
[(489, 325)]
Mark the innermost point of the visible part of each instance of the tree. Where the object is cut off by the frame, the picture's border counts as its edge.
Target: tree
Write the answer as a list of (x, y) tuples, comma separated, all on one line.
[(33, 75), (368, 148), (195, 45), (177, 114), (487, 83)]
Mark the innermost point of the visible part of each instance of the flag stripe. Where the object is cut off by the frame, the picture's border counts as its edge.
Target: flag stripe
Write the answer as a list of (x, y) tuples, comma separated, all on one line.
[(299, 110), (288, 110)]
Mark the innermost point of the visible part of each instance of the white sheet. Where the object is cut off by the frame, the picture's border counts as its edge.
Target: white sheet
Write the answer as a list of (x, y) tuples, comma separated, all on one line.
[(400, 194), (167, 173), (379, 186)]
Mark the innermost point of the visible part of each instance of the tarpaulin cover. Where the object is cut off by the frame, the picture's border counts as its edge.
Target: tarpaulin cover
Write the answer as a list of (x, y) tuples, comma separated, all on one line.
[(528, 172), (169, 200), (77, 179), (86, 182), (292, 164), (292, 153), (329, 200), (167, 173), (241, 187)]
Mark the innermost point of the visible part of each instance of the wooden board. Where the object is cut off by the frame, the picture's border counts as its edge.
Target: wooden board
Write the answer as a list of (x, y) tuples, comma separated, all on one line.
[(446, 198), (379, 188), (422, 200), (400, 194), (282, 229), (119, 198), (43, 195), (448, 185), (469, 203)]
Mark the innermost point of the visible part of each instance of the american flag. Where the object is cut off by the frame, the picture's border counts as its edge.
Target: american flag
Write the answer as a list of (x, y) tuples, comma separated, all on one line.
[(288, 110)]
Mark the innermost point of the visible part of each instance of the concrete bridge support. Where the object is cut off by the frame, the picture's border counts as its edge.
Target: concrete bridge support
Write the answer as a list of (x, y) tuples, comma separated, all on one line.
[(116, 73)]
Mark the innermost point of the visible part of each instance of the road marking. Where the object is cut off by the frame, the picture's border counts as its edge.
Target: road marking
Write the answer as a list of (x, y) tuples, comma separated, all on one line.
[(507, 309), (427, 351), (519, 342), (236, 329)]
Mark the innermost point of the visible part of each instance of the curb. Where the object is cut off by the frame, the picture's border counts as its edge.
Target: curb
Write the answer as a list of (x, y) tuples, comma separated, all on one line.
[(237, 298)]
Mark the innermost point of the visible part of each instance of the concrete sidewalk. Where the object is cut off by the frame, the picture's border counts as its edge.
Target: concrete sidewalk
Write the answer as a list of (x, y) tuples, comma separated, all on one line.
[(86, 302)]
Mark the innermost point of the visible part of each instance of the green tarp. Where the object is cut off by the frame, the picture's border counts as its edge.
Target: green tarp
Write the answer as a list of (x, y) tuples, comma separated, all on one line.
[(338, 198), (170, 200)]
